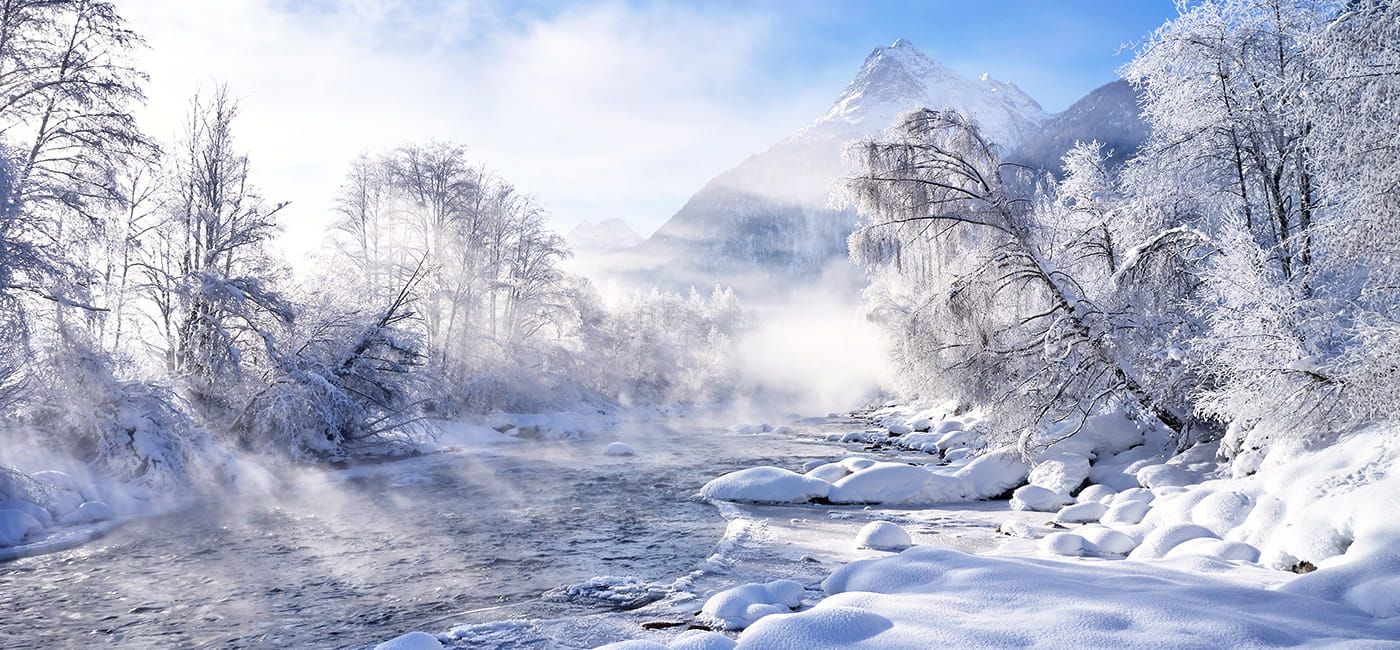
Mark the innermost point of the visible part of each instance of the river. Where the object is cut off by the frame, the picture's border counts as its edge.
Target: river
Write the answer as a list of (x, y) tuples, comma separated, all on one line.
[(349, 558)]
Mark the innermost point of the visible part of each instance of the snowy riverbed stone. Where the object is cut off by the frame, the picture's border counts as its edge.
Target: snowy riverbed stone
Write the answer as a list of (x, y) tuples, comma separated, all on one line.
[(883, 536), (1096, 492), (33, 510), (739, 607), (1102, 540), (1060, 472), (16, 526), (702, 640), (1038, 499), (1159, 542), (89, 512), (765, 485), (1127, 512), (1062, 544), (829, 472), (1081, 513), (896, 483), (1164, 475)]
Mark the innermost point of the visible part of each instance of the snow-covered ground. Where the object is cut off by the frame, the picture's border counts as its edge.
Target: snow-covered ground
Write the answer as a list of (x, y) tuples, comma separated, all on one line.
[(1212, 552)]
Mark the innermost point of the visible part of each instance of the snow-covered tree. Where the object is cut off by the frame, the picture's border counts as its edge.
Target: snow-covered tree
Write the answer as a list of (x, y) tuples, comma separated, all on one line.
[(1005, 302)]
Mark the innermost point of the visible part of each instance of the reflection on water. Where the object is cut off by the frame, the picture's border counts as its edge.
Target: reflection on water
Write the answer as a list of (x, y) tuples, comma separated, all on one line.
[(361, 558)]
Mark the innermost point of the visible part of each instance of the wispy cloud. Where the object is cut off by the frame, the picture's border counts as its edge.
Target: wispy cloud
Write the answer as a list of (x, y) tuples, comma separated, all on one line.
[(609, 110)]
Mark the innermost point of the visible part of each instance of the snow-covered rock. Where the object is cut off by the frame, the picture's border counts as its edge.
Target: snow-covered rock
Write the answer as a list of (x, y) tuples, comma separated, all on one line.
[(17, 526), (1060, 472), (701, 640), (1162, 540), (856, 463), (618, 449), (1062, 544), (1096, 492), (1127, 512), (994, 472), (1038, 499), (87, 513), (1102, 540), (1221, 511), (896, 483), (738, 607), (1214, 548), (1080, 513), (1013, 528), (930, 597), (765, 485), (829, 472), (883, 536), (634, 644), (33, 510), (1164, 475)]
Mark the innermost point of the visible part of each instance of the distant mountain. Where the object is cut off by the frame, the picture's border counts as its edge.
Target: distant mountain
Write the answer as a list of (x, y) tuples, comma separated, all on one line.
[(768, 223), (606, 235), (1108, 114)]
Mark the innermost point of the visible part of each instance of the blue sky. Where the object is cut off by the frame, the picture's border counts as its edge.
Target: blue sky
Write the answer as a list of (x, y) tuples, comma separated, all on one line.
[(620, 108)]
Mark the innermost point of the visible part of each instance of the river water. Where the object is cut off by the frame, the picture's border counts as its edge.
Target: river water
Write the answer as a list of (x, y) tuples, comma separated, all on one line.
[(349, 558)]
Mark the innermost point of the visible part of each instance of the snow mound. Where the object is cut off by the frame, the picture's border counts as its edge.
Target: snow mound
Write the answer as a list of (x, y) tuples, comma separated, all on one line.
[(1164, 475), (1159, 542), (618, 449), (1102, 540), (1127, 512), (1062, 472), (411, 641), (928, 597), (701, 640), (995, 472), (1062, 544), (896, 483), (740, 607), (829, 472), (16, 526), (883, 536), (765, 485), (1038, 499), (87, 513), (1081, 513), (1096, 492), (33, 510)]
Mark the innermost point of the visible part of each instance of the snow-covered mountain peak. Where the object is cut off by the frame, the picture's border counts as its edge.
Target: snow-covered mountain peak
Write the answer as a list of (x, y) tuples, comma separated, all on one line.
[(900, 77)]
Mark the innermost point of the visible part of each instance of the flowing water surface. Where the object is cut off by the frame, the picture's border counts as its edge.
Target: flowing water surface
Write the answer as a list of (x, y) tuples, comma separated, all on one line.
[(345, 559)]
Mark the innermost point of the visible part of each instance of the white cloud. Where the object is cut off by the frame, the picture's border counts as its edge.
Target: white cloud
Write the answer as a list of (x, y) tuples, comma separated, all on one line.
[(611, 110)]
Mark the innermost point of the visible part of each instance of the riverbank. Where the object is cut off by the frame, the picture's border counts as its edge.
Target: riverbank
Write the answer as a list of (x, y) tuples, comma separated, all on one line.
[(1213, 559)]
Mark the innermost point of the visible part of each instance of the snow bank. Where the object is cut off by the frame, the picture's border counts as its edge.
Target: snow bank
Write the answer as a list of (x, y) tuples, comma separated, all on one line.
[(739, 607), (883, 536), (934, 597), (896, 483), (765, 485)]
